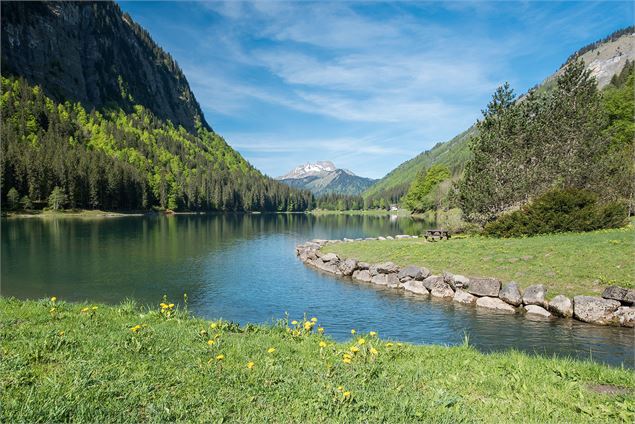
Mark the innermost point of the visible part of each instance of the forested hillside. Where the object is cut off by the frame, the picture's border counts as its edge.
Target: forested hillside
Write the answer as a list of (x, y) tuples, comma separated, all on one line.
[(99, 116)]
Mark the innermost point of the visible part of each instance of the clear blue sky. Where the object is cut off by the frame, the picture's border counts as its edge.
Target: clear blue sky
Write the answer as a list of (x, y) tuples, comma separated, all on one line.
[(365, 85)]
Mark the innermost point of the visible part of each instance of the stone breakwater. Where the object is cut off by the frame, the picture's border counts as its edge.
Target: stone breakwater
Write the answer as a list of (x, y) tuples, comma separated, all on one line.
[(615, 307)]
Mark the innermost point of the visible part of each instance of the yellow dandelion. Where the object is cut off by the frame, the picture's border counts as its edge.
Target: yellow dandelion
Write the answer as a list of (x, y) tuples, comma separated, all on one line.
[(354, 349), (294, 322), (213, 325), (373, 351), (135, 328), (210, 342), (84, 309), (347, 356), (353, 331), (271, 350), (340, 388), (346, 395), (322, 344), (52, 310), (250, 365), (399, 344), (94, 308), (314, 320), (389, 344), (361, 341), (54, 299), (308, 325), (346, 360), (220, 357), (163, 305), (171, 305), (320, 330), (61, 333), (372, 333)]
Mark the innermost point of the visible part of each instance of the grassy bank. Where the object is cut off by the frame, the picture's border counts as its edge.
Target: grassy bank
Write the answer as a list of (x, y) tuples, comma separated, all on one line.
[(571, 263), (74, 362), (370, 212), (67, 213)]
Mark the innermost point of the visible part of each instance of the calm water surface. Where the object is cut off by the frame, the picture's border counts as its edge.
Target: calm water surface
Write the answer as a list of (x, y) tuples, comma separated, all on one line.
[(243, 268)]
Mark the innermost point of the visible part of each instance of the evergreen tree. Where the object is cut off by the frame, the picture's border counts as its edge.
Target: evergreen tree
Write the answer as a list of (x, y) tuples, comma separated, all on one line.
[(13, 199)]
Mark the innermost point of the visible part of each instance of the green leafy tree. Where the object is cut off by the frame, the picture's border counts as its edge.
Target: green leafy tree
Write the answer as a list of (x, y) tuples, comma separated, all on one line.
[(57, 199), (26, 203), (422, 195), (13, 199)]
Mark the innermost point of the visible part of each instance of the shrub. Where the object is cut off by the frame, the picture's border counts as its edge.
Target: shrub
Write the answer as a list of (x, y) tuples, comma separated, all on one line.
[(558, 211)]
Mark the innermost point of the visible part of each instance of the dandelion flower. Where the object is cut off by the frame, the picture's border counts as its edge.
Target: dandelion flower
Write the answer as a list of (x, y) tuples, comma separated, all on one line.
[(373, 351), (346, 360), (308, 325), (389, 344), (61, 333), (353, 331), (294, 322), (271, 350), (340, 388), (361, 341), (54, 299), (250, 365), (135, 328), (213, 325), (322, 344), (347, 356), (346, 395), (52, 309), (320, 330), (314, 319), (372, 333), (210, 342), (163, 305), (354, 349), (171, 305), (94, 308), (84, 309), (220, 357)]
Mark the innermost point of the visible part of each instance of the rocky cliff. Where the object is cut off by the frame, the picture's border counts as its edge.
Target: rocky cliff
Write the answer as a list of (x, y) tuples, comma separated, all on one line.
[(94, 53)]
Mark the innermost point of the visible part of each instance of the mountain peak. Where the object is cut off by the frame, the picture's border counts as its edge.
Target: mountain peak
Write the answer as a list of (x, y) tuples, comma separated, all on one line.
[(310, 169)]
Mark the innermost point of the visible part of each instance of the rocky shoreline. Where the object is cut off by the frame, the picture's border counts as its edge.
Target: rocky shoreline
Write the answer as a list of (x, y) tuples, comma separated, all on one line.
[(615, 307)]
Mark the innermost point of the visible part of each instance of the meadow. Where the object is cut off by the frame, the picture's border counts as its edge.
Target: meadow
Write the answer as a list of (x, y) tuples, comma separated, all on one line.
[(96, 363)]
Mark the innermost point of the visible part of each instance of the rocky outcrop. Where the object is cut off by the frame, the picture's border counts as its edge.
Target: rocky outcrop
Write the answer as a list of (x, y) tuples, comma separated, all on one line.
[(510, 293), (561, 306), (494, 303), (595, 310), (535, 295)]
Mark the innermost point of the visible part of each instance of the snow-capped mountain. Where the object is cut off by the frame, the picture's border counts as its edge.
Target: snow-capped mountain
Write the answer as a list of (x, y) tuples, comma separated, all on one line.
[(324, 177), (309, 170)]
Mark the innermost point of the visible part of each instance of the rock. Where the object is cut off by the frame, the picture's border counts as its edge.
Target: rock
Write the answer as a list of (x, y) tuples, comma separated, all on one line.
[(484, 286), (402, 236), (414, 272), (535, 295), (429, 281), (329, 257), (415, 286), (370, 238), (441, 289), (595, 310), (330, 267), (348, 266), (383, 268), (537, 310), (362, 275), (390, 238), (462, 296), (381, 238), (392, 281), (363, 265), (494, 303), (561, 306), (511, 294), (619, 294), (461, 281), (626, 316)]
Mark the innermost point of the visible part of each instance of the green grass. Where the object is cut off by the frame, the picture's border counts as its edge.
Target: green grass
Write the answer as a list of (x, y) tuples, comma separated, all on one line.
[(370, 212), (69, 365), (570, 263)]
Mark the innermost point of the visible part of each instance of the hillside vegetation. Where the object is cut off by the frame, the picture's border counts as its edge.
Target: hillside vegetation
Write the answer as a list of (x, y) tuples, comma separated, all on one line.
[(63, 362)]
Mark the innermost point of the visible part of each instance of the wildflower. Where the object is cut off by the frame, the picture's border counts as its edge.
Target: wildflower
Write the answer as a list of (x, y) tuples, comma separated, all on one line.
[(373, 351), (346, 360), (250, 365), (389, 344), (163, 305), (84, 309), (61, 333), (346, 395), (54, 299), (171, 305), (135, 328), (353, 331), (220, 357), (271, 350), (361, 341), (213, 325), (354, 349), (320, 330), (52, 310), (294, 322), (372, 333), (340, 388), (399, 344), (314, 320), (322, 344), (94, 308), (308, 325), (210, 342)]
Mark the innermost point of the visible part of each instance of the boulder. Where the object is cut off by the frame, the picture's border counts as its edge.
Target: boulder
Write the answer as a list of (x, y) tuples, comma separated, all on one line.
[(595, 310), (362, 275), (561, 306), (626, 316), (484, 287), (535, 295), (363, 265), (379, 279), (381, 238), (383, 268), (392, 281), (415, 286), (348, 266), (329, 257), (414, 272), (510, 293), (390, 238), (620, 294), (462, 296), (431, 280), (402, 236), (537, 310), (461, 281), (441, 289), (494, 303), (330, 267)]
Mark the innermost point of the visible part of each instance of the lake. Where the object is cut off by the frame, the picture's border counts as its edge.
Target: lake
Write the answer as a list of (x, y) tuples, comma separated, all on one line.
[(243, 268)]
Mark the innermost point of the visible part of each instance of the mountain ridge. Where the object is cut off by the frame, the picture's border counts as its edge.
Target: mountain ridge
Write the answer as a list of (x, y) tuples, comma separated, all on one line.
[(323, 177)]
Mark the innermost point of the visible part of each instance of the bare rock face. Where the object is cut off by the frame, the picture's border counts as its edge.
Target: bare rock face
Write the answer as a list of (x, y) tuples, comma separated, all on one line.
[(561, 306), (441, 289), (620, 294), (462, 296), (415, 286), (484, 286), (348, 266), (362, 275), (383, 268), (626, 316), (535, 295), (595, 310), (494, 303), (413, 272), (511, 294), (537, 310)]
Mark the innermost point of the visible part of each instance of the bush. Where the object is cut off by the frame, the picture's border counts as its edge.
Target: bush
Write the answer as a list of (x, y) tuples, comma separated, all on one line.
[(558, 211)]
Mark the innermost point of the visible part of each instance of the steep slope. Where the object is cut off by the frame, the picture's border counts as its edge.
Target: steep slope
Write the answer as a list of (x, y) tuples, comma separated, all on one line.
[(605, 58), (92, 106), (324, 178)]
